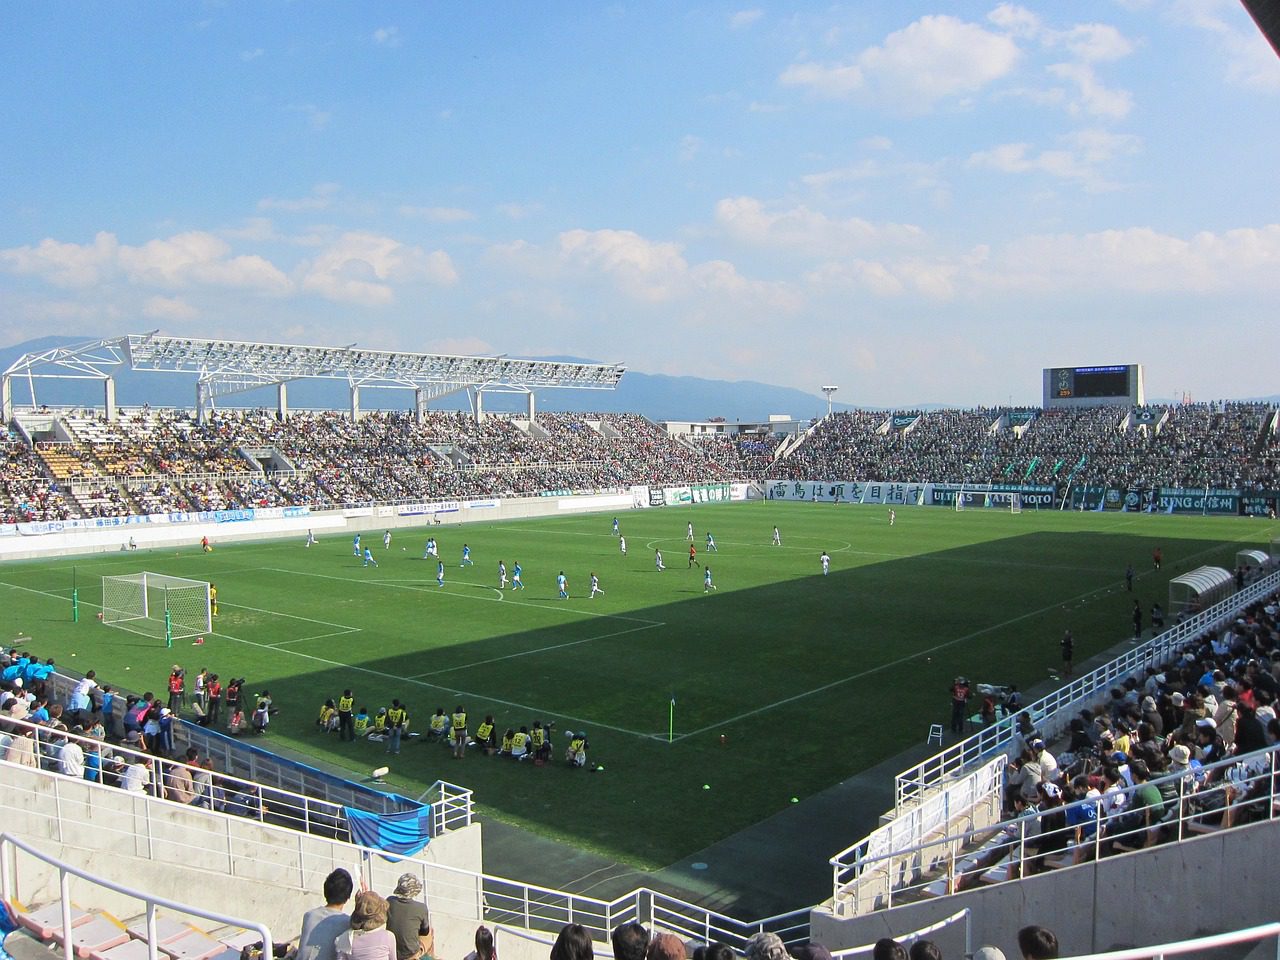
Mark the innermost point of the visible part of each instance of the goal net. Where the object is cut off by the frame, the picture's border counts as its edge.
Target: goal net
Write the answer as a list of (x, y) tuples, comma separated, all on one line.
[(1015, 503), (157, 605)]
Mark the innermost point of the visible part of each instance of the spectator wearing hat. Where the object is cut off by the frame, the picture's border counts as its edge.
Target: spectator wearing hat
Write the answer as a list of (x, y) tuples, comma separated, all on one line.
[(321, 926), (409, 920), (988, 953), (764, 946), (367, 936)]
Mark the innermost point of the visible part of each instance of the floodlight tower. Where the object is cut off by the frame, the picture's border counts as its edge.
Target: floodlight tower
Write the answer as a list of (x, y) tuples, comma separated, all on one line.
[(829, 391)]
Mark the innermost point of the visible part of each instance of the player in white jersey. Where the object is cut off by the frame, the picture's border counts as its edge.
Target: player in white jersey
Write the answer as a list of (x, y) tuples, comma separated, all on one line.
[(777, 537), (689, 533), (595, 586), (311, 539), (562, 583), (622, 545), (826, 563), (502, 575), (893, 515), (386, 540), (707, 585), (657, 559)]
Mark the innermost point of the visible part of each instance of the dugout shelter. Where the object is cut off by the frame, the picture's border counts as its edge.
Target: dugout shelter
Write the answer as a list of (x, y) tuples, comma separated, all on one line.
[(1199, 589)]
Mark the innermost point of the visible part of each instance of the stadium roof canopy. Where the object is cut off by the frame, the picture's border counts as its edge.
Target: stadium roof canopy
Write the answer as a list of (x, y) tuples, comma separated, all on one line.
[(231, 366)]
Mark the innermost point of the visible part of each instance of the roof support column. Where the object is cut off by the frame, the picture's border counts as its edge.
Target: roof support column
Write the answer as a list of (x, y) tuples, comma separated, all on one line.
[(109, 397), (6, 398), (355, 402), (531, 407), (479, 404), (420, 402), (204, 400), (282, 402)]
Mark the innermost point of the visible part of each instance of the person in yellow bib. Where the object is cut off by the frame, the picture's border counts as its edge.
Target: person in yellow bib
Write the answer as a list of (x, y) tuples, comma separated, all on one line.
[(520, 744), (439, 725), (538, 741), (346, 724), (576, 754), (360, 723), (397, 723), (486, 739), (459, 728), (508, 740), (328, 719)]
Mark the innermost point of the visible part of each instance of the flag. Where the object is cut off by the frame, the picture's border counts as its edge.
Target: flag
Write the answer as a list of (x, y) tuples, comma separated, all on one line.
[(403, 834)]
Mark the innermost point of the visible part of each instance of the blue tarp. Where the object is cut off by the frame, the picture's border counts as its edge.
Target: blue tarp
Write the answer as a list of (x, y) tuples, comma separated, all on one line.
[(402, 834)]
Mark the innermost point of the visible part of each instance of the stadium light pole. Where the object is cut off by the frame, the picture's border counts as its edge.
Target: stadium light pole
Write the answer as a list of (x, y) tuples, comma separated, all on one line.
[(829, 391)]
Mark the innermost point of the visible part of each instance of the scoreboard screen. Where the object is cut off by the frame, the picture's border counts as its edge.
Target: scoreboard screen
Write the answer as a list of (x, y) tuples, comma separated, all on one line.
[(1119, 382)]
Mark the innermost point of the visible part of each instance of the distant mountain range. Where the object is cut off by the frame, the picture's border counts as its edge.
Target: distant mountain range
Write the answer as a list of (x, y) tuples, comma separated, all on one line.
[(656, 396)]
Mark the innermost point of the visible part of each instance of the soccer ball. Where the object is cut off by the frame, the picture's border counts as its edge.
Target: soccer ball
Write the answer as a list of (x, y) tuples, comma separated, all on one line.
[(568, 733), (99, 614)]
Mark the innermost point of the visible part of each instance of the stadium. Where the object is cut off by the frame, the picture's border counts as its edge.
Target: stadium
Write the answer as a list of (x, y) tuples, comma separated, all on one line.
[(216, 539)]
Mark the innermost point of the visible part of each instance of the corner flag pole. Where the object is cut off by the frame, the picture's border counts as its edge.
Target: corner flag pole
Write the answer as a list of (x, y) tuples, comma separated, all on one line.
[(75, 598), (671, 720)]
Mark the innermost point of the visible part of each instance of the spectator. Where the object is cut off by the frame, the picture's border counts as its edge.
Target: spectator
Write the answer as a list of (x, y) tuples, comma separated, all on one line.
[(71, 756), (887, 948), (764, 946), (630, 942), (179, 784), (666, 946), (321, 926), (485, 949), (409, 920), (1037, 943), (367, 936), (925, 950), (573, 943)]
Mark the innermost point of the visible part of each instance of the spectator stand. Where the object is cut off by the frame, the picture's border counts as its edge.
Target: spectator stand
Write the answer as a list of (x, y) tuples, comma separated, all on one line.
[(1051, 714), (964, 916), (67, 932)]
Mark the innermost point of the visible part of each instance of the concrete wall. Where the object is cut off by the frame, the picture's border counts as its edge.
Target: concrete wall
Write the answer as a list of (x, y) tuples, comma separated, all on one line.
[(1221, 881), (222, 863)]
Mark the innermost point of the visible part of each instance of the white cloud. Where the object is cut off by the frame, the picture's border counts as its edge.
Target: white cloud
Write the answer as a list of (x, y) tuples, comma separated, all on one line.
[(322, 197), (1092, 96), (1082, 157), (877, 143), (518, 211), (437, 214), (936, 57), (1095, 42), (657, 272), (362, 267), (760, 106), (1017, 20), (745, 18), (387, 36), (183, 260), (254, 54), (169, 308), (748, 220), (317, 118), (1249, 60), (864, 170), (690, 147)]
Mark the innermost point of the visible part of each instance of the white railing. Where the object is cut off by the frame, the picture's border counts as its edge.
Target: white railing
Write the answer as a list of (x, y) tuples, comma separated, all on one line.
[(908, 938), (66, 871), (1198, 946), (962, 798), (1223, 795), (1050, 715)]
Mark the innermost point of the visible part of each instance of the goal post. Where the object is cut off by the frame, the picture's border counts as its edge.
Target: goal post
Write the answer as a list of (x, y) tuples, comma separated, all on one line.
[(1015, 503), (157, 605)]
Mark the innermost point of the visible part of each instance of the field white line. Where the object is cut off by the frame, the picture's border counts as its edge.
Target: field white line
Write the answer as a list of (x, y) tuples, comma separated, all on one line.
[(453, 691), (527, 653), (427, 587), (318, 636), (941, 646), (292, 616)]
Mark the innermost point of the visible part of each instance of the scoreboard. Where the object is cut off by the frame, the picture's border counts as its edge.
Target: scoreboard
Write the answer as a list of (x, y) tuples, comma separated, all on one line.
[(1117, 385)]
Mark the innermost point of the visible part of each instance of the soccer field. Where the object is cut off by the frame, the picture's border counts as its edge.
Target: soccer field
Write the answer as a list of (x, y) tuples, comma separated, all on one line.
[(785, 681)]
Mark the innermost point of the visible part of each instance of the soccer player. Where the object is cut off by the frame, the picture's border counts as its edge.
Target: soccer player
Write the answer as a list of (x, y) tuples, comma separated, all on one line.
[(440, 573), (516, 582), (615, 526), (689, 532), (893, 515), (693, 557), (386, 540), (355, 545), (707, 585), (622, 545), (368, 557), (711, 543), (777, 537), (826, 563), (466, 556), (311, 539), (433, 548), (205, 545), (1157, 558), (657, 559), (502, 575), (213, 599), (595, 586), (563, 583)]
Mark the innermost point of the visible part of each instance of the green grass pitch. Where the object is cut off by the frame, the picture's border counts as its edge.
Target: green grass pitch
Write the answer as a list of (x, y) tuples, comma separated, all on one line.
[(785, 681)]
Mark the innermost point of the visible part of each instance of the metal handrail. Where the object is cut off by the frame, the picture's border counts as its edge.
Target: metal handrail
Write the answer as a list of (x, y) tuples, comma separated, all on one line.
[(1051, 712), (66, 871), (966, 915), (1160, 950), (914, 867)]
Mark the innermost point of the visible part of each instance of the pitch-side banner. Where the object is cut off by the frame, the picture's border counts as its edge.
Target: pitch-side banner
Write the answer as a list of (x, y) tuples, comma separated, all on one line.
[(696, 493), (911, 494)]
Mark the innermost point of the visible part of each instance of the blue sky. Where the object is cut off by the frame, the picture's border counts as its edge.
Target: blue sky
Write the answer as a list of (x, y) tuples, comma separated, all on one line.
[(917, 202)]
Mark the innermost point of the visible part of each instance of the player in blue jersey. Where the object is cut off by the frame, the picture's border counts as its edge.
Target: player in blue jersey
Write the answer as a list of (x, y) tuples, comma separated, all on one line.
[(711, 543), (368, 557), (562, 583), (615, 526), (440, 573), (355, 545), (516, 572), (466, 557)]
